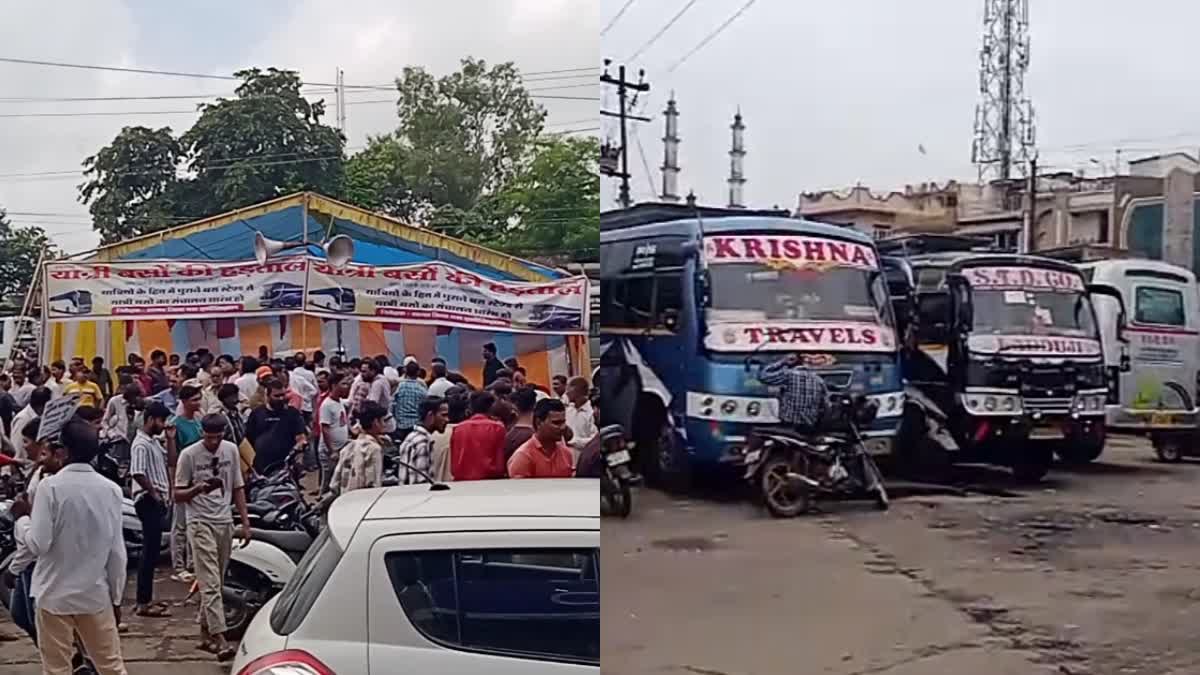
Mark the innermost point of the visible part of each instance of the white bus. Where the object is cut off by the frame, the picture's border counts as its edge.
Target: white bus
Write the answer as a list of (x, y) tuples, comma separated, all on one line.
[(1160, 394)]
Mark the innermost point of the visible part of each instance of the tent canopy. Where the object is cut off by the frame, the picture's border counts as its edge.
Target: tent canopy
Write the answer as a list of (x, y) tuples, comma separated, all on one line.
[(310, 217)]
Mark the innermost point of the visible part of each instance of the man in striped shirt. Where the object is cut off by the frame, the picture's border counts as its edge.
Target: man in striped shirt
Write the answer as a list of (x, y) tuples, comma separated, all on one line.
[(416, 452), (151, 492)]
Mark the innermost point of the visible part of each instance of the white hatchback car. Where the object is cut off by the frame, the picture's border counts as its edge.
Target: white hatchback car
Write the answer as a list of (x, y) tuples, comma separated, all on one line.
[(498, 576)]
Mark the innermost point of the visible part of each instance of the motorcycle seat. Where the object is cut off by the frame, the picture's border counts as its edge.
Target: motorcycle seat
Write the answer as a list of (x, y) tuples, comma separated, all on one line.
[(286, 540), (259, 508)]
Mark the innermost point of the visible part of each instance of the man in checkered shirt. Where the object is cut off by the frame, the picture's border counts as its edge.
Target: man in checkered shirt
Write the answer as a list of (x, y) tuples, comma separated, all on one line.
[(803, 398), (416, 452)]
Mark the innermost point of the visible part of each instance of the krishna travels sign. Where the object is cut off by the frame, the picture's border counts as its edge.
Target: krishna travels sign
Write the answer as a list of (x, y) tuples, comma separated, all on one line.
[(832, 336), (796, 251)]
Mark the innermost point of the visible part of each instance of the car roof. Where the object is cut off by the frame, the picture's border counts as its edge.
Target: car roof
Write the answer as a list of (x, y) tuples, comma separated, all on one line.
[(501, 499)]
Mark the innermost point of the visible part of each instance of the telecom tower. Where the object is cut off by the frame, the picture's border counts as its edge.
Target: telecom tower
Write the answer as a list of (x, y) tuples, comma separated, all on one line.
[(1004, 128)]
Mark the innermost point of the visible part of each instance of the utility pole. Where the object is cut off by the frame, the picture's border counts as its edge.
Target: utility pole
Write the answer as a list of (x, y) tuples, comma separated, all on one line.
[(1030, 220), (614, 159)]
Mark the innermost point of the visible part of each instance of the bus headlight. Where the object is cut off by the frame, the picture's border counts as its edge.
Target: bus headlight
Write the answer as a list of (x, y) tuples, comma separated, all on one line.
[(753, 408), (992, 403), (729, 406), (1091, 402)]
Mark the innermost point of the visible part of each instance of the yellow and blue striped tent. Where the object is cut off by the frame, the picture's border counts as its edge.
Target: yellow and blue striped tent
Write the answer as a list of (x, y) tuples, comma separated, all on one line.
[(311, 217)]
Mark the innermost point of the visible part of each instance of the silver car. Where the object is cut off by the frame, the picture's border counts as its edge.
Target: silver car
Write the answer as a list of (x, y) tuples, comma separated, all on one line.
[(497, 576)]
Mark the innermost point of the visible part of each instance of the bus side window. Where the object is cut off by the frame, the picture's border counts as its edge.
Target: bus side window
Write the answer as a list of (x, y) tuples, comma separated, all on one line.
[(933, 317), (1160, 306), (643, 302)]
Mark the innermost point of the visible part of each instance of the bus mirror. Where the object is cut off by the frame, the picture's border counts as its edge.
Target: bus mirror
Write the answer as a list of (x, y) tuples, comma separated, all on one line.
[(960, 302), (670, 319), (1126, 366), (1122, 318)]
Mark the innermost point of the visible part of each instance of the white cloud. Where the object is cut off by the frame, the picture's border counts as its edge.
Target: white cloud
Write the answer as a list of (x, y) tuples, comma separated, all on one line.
[(371, 40)]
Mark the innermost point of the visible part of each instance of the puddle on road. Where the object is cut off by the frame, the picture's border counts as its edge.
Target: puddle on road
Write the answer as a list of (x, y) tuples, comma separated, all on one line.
[(697, 544)]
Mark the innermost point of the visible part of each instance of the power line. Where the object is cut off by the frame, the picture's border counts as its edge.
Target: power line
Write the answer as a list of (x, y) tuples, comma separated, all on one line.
[(620, 13), (712, 36), (75, 99), (654, 38), (210, 76), (102, 113), (645, 164)]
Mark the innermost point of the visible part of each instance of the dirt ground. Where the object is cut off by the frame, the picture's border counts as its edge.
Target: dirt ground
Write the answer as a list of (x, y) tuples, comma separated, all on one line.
[(149, 646), (1093, 571)]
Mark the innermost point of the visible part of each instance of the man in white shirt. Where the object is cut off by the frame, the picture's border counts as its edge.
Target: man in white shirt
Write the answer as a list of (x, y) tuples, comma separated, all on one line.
[(248, 382), (79, 578), (579, 415), (335, 426), (55, 384), (21, 388), (304, 383), (440, 384), (37, 402)]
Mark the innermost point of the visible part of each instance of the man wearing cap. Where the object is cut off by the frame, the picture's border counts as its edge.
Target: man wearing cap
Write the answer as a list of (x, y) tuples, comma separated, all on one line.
[(262, 374)]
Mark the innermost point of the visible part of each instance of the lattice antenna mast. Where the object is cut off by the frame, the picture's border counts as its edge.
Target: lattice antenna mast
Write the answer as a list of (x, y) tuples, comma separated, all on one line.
[(1004, 128)]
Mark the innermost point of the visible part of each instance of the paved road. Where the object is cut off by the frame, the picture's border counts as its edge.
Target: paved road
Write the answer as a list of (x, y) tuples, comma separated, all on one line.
[(1094, 571), (151, 646)]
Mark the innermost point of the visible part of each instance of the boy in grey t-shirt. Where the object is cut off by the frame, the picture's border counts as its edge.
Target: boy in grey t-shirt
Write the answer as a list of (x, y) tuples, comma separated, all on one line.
[(208, 479)]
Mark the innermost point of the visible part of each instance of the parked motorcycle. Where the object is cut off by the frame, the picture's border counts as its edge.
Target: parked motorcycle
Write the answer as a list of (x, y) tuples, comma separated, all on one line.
[(787, 467), (616, 495)]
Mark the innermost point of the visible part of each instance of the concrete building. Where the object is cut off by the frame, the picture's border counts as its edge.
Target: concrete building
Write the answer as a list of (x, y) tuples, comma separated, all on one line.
[(1151, 212)]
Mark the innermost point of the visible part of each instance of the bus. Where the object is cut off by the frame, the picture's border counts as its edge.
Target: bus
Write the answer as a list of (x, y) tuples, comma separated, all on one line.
[(691, 296)]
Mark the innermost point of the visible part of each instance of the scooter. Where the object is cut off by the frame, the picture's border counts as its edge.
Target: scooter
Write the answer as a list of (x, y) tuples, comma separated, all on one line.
[(616, 496)]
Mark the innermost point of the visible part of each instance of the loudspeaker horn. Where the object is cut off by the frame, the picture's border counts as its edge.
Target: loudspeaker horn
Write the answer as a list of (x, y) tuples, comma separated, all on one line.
[(265, 248), (339, 250)]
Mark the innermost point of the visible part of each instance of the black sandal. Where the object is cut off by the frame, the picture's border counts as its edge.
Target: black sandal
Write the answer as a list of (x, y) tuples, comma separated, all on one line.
[(227, 654)]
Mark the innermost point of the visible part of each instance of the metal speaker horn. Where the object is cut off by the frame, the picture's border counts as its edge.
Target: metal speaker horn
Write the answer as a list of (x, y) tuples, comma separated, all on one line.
[(265, 248), (339, 250)]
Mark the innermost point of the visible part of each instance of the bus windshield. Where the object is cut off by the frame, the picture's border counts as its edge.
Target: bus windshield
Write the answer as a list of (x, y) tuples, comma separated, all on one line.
[(758, 292), (1018, 300), (1030, 312)]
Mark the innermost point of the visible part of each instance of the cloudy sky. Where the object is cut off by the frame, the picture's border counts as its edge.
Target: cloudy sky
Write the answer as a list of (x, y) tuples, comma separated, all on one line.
[(835, 93), (371, 40)]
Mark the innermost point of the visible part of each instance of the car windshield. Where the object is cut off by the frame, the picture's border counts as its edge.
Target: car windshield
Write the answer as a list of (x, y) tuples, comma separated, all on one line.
[(1028, 312), (758, 292)]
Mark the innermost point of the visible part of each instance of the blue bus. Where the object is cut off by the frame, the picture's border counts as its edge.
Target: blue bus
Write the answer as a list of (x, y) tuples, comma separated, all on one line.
[(689, 295)]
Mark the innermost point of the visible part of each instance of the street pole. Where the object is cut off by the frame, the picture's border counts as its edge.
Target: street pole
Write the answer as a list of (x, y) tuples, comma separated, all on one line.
[(1031, 211), (622, 114)]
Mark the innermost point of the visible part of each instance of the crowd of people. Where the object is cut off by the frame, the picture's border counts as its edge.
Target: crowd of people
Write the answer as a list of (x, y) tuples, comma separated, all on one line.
[(182, 435)]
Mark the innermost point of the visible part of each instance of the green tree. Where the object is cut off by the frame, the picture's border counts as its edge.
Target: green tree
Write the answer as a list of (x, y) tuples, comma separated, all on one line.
[(20, 248), (463, 137), (375, 178), (265, 142), (131, 182), (553, 203)]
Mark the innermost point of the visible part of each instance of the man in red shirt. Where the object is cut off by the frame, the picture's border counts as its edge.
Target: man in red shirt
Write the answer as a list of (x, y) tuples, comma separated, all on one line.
[(477, 443), (544, 455)]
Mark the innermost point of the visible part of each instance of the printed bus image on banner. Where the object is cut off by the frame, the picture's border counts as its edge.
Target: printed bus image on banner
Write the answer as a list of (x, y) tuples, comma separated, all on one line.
[(814, 336), (174, 289), (1027, 278), (437, 293), (793, 251)]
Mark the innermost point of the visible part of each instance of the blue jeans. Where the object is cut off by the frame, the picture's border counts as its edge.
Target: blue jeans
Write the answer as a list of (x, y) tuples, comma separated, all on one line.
[(24, 612)]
